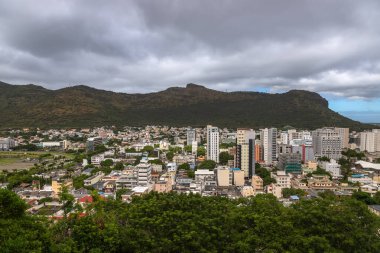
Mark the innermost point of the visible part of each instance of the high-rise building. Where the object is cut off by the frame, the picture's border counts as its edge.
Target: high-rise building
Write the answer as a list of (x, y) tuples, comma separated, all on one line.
[(368, 141), (194, 147), (377, 139), (259, 154), (268, 137), (327, 142), (284, 138), (345, 135), (213, 143), (245, 151), (191, 136)]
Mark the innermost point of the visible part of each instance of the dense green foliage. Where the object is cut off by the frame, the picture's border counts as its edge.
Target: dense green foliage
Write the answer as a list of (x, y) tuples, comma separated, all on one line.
[(186, 167), (201, 151), (26, 147), (264, 174), (366, 198), (19, 232), (224, 157), (81, 106), (287, 192), (207, 165), (352, 153), (191, 223)]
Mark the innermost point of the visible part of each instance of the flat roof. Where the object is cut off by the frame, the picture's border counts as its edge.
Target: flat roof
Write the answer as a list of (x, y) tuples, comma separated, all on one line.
[(368, 165), (140, 189), (207, 172)]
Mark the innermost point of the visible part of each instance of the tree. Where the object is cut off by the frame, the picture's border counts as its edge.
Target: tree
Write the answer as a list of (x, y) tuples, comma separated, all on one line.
[(121, 192), (201, 151), (11, 206), (224, 157), (148, 149), (106, 163), (207, 164), (78, 182), (20, 232), (264, 174), (184, 166), (175, 150), (324, 159), (67, 200), (363, 197), (170, 155), (27, 147), (118, 166), (287, 192), (227, 145), (156, 161), (188, 148), (320, 171), (376, 198)]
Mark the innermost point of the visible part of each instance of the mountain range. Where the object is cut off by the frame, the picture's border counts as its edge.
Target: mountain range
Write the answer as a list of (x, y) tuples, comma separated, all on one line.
[(194, 105)]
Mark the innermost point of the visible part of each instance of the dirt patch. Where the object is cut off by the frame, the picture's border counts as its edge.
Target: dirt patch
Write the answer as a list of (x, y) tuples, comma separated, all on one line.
[(18, 165)]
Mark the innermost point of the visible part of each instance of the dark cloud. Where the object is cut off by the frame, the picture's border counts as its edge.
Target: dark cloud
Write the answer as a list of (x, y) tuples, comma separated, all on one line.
[(327, 46)]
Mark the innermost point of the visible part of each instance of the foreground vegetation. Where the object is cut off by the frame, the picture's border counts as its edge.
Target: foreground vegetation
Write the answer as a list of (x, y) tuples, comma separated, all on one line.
[(191, 223)]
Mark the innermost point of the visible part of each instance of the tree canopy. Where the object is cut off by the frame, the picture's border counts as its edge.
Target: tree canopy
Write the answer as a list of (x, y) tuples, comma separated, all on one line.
[(191, 223)]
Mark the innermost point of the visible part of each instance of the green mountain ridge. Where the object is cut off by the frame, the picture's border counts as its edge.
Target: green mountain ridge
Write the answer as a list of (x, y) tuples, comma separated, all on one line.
[(82, 106)]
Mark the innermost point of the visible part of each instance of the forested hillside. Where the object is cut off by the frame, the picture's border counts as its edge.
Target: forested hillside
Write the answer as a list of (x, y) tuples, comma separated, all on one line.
[(195, 105)]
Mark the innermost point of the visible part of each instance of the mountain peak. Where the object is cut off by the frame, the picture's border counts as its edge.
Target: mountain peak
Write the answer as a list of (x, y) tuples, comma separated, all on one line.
[(194, 86)]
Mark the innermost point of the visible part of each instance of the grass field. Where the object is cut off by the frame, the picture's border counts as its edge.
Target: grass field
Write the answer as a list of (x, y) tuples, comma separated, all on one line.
[(31, 155), (6, 161), (23, 160), (10, 164)]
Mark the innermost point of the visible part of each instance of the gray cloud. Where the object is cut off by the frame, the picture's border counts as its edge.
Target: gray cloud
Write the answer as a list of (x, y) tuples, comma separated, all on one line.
[(145, 45)]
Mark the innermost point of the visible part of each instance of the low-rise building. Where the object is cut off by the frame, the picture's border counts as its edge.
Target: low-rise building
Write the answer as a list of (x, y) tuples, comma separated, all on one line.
[(57, 184), (332, 167), (257, 183), (94, 179), (247, 191), (282, 179), (321, 182), (97, 159)]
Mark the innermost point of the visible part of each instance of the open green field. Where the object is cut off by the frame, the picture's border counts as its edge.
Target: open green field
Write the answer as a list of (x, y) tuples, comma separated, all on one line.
[(10, 164), (31, 155), (17, 160), (6, 161)]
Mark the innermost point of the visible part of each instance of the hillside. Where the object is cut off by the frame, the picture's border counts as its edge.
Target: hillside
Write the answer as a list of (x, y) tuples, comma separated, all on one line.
[(82, 106)]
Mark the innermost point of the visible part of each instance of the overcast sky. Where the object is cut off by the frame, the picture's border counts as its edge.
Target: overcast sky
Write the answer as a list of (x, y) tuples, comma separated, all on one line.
[(331, 47)]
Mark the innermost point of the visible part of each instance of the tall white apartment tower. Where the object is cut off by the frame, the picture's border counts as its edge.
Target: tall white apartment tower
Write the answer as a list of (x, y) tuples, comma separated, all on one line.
[(377, 139), (269, 140), (368, 141), (191, 136), (344, 135), (213, 143), (245, 151)]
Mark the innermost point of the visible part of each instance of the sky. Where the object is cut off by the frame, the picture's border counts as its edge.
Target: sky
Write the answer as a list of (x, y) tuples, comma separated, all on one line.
[(328, 46)]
